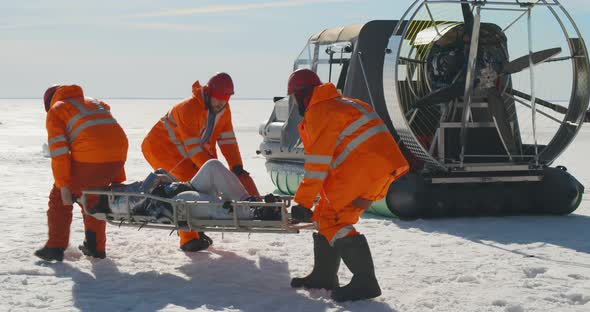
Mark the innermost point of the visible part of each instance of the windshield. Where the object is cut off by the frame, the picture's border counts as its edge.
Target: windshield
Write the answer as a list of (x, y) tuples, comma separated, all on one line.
[(329, 61)]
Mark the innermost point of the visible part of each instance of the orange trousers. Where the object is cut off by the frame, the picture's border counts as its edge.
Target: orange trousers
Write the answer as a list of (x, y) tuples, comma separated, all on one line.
[(59, 216), (338, 222), (183, 170)]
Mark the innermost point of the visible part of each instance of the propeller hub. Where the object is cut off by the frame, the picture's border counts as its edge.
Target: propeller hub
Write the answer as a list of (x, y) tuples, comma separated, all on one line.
[(488, 77)]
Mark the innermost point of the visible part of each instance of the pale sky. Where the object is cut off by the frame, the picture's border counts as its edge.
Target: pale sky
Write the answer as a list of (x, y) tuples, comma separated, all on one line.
[(156, 48)]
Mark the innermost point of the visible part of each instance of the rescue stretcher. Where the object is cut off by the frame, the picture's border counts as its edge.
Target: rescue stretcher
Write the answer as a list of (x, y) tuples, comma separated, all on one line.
[(183, 216)]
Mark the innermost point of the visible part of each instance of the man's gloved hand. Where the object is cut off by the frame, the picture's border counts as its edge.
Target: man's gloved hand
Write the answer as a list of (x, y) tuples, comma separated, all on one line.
[(238, 170), (301, 214), (271, 198)]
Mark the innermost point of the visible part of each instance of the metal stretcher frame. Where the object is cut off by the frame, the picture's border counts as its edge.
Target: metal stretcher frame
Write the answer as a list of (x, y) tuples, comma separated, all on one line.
[(183, 220)]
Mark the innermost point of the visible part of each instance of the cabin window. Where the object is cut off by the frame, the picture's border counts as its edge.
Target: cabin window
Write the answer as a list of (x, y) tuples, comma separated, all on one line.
[(329, 61)]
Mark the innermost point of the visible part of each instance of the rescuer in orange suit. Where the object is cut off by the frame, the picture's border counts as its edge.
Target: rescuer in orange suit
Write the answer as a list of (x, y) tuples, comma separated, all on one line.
[(186, 137), (350, 161), (88, 149)]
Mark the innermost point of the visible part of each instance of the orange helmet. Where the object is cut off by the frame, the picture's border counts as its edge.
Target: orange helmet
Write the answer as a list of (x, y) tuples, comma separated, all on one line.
[(220, 86), (48, 96), (302, 79)]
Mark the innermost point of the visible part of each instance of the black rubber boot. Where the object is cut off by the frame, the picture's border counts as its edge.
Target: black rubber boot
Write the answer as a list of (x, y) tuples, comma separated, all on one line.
[(50, 254), (326, 262), (356, 255), (201, 243), (88, 248)]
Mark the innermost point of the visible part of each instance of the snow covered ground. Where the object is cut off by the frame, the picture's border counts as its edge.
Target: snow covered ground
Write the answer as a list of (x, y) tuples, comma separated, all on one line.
[(507, 264)]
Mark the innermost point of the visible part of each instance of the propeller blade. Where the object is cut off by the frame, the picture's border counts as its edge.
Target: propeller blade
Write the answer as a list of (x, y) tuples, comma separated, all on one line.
[(522, 62), (442, 95), (557, 108), (457, 88), (467, 18), (497, 108)]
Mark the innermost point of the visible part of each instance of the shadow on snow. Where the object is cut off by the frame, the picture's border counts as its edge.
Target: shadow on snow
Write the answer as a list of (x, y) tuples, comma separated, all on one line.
[(497, 232), (217, 283)]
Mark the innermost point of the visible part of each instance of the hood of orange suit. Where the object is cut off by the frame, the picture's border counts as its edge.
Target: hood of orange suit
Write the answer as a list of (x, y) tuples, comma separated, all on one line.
[(322, 93), (197, 89), (66, 92)]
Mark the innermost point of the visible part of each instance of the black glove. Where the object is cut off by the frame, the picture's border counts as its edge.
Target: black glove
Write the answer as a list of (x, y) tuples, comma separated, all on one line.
[(271, 198), (238, 170), (301, 214)]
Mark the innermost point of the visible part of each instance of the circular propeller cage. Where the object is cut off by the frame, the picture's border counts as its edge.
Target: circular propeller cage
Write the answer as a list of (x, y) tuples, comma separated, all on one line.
[(503, 82)]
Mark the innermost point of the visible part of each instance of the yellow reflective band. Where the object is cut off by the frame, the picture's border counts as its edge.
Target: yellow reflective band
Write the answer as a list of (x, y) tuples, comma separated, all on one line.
[(61, 138), (357, 124), (59, 151), (318, 159), (227, 142), (358, 141), (194, 151), (172, 137), (227, 135), (320, 175), (90, 123), (191, 141), (341, 233)]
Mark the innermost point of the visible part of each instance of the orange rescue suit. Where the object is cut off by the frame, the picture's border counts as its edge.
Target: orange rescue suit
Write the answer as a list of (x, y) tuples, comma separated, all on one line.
[(349, 154), (88, 148), (176, 142)]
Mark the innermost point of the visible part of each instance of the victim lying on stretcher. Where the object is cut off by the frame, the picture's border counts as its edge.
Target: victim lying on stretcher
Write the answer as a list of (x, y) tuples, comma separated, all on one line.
[(213, 183)]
